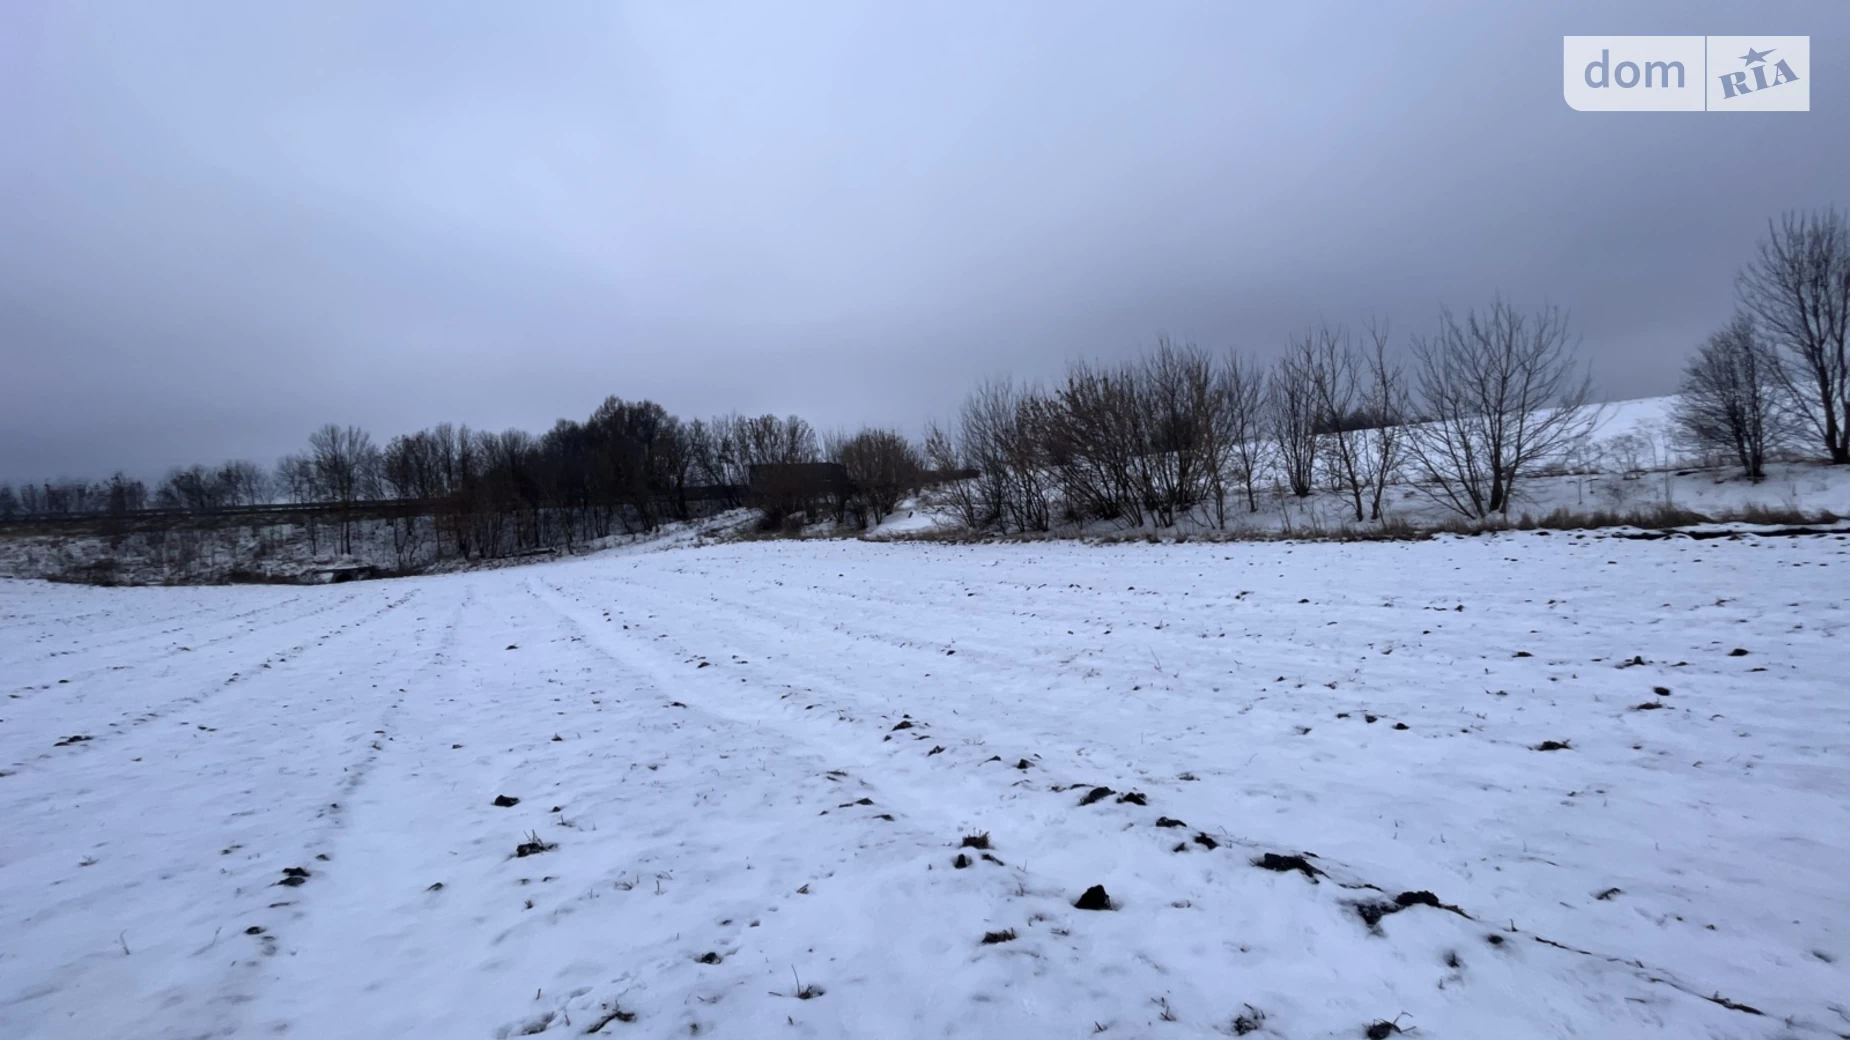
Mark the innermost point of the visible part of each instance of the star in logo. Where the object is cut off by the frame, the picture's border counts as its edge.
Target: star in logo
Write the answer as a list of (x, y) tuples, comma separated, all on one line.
[(1754, 57)]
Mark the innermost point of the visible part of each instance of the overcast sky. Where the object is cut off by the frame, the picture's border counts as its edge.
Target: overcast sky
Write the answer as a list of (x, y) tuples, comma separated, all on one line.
[(222, 224)]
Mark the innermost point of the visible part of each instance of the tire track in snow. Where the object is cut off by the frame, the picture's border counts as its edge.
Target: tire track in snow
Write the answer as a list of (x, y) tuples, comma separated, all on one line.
[(761, 614), (198, 613), (629, 855), (274, 662), (342, 846), (160, 660), (917, 836), (185, 848), (1054, 849)]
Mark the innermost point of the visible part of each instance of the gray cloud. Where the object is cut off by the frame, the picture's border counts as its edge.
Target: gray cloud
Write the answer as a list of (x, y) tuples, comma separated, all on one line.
[(225, 223)]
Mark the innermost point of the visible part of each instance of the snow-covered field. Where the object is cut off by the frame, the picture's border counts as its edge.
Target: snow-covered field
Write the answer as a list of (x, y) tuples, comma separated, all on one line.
[(749, 770)]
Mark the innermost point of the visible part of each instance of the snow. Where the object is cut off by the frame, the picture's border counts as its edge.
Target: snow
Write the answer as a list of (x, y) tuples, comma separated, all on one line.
[(694, 730)]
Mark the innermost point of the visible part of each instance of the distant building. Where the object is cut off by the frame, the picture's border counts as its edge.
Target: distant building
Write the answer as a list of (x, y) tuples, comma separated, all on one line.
[(804, 480)]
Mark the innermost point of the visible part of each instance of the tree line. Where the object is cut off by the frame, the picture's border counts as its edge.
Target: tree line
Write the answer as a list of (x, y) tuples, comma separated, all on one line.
[(627, 468), (1181, 435), (1466, 412)]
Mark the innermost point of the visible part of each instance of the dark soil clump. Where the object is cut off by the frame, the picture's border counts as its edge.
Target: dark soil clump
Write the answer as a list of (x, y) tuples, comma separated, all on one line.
[(1275, 862), (533, 846)]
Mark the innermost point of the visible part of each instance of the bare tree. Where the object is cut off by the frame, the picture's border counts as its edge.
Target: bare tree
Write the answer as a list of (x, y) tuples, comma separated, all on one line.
[(945, 455), (1385, 402), (1179, 453), (1218, 433), (769, 440), (1501, 392), (983, 445), (1095, 438), (1002, 433), (883, 468), (126, 495), (1030, 478), (1798, 289), (346, 468), (346, 463), (706, 455), (1292, 414), (1335, 377), (1734, 397), (193, 488), (672, 466), (1243, 401), (295, 480), (243, 483)]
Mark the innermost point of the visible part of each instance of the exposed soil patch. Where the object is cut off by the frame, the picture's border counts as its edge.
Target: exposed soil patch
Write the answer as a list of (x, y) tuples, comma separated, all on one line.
[(1372, 912), (1281, 864)]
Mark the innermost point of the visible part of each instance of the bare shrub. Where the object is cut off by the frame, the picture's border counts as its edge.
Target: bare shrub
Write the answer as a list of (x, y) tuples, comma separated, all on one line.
[(883, 468)]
